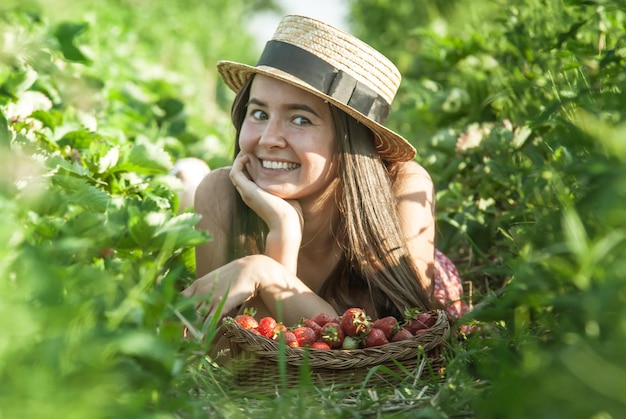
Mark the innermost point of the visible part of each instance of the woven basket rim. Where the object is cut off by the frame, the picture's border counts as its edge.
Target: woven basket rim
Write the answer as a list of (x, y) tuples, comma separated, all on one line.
[(262, 347)]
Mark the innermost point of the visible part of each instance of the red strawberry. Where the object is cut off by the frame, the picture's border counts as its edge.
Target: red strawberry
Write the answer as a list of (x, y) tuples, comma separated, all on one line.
[(413, 325), (247, 320), (320, 345), (427, 319), (278, 330), (321, 318), (267, 326), (417, 320), (355, 322), (402, 334), (304, 335), (315, 326), (375, 337), (389, 325), (333, 335), (419, 332), (290, 339)]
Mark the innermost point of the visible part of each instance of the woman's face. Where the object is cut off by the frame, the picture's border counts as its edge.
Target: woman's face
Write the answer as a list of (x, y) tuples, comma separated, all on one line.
[(289, 135)]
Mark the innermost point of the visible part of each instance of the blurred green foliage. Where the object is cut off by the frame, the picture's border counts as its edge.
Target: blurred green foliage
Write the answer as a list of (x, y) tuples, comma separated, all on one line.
[(516, 108), (97, 101)]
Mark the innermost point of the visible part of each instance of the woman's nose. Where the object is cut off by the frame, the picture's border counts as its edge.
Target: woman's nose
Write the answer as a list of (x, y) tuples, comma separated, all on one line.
[(272, 135)]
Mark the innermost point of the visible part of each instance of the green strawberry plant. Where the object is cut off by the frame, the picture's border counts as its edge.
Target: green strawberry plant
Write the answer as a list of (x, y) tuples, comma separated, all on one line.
[(516, 109), (95, 247)]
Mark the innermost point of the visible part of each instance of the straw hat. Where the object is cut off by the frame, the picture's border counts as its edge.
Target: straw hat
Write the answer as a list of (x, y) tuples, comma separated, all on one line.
[(335, 66)]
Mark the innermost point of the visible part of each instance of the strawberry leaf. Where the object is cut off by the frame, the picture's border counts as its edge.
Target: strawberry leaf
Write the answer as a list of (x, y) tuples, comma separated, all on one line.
[(79, 139), (145, 158), (5, 135), (182, 227), (66, 33), (79, 192)]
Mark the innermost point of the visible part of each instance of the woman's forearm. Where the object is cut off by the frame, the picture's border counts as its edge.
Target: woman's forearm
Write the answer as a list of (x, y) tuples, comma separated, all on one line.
[(283, 245), (285, 294)]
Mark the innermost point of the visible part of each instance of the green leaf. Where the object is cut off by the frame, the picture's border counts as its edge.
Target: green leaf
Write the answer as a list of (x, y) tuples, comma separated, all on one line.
[(45, 117), (79, 139), (520, 136), (575, 233), (109, 160), (66, 33), (142, 226), (596, 371), (58, 164), (78, 191), (18, 81), (570, 34), (145, 158), (87, 224), (5, 135), (144, 345), (183, 227)]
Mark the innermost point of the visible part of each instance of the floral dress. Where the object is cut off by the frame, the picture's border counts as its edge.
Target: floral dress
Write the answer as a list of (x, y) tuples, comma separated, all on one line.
[(448, 286)]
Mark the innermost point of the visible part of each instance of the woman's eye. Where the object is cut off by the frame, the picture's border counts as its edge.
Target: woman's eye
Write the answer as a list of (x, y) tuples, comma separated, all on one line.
[(300, 120), (258, 114)]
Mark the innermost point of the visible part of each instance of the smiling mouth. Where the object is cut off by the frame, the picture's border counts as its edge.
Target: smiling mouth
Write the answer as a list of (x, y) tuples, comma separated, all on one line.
[(279, 165)]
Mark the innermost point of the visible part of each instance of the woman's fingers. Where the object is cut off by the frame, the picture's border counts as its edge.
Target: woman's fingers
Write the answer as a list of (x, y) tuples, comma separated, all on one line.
[(240, 179), (271, 208), (221, 291), (238, 173)]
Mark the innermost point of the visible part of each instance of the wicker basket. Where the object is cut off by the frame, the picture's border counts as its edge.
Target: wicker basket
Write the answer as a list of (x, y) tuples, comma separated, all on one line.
[(255, 359)]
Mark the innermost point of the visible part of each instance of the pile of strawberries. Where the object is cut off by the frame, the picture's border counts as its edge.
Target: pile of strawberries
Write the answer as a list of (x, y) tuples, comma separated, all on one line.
[(353, 330)]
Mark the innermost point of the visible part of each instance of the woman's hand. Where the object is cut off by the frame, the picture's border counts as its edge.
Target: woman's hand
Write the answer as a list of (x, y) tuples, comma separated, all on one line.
[(256, 276), (272, 209), (283, 217), (236, 281)]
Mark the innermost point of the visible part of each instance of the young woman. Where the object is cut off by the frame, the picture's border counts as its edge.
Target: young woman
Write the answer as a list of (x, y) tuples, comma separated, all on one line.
[(323, 207)]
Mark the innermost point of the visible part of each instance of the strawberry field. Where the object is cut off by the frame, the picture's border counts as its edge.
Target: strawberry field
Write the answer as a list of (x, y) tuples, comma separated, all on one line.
[(517, 109)]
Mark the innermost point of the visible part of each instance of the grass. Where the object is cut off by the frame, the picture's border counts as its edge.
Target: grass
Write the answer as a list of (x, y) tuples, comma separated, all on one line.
[(532, 214)]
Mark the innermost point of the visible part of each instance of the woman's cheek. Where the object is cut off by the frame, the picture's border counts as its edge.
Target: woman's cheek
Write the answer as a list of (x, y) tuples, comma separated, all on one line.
[(246, 139)]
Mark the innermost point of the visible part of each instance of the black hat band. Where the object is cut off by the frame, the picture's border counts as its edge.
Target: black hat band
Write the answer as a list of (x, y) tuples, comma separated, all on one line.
[(326, 78)]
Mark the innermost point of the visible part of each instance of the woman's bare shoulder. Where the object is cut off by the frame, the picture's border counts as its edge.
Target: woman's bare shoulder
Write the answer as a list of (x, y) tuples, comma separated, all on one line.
[(412, 177), (214, 203), (214, 188), (412, 169)]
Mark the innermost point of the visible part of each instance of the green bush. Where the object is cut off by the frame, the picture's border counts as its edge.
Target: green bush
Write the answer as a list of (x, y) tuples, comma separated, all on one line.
[(95, 247), (516, 108)]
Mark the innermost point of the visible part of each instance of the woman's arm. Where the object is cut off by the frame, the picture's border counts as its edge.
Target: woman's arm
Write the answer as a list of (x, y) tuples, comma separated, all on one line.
[(275, 290), (214, 203), (414, 192), (260, 280)]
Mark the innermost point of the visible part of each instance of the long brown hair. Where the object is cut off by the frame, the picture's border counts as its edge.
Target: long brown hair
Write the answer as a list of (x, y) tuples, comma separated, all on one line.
[(375, 262)]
